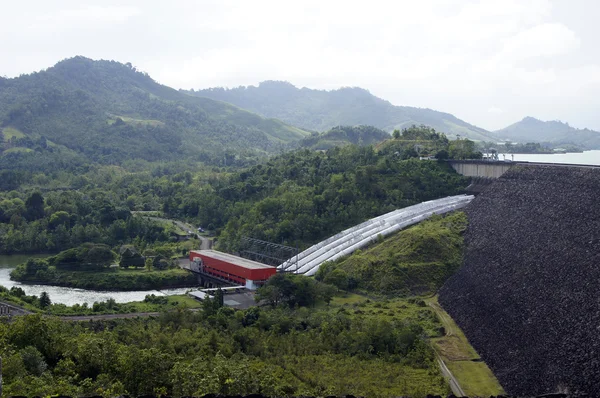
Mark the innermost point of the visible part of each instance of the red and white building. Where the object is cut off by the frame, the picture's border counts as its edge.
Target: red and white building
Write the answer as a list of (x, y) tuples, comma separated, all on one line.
[(232, 268)]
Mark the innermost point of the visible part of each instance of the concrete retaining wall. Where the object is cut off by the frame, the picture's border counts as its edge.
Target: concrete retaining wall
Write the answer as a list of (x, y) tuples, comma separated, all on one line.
[(487, 169)]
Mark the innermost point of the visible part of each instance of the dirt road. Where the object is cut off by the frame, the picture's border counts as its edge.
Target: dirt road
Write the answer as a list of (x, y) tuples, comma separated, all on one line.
[(205, 243)]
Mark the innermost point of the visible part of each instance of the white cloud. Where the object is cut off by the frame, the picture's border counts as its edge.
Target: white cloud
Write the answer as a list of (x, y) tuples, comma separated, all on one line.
[(544, 40), (457, 56), (102, 14), (495, 109)]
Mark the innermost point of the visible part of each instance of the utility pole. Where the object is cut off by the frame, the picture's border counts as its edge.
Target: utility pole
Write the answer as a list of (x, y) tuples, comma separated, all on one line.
[(0, 376)]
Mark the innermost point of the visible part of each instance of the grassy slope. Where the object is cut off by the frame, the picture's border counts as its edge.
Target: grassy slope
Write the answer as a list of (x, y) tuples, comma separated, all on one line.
[(10, 132), (472, 374), (415, 260)]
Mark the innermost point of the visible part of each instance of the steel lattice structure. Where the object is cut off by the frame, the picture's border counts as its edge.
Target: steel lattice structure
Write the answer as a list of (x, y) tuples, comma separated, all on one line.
[(266, 252)]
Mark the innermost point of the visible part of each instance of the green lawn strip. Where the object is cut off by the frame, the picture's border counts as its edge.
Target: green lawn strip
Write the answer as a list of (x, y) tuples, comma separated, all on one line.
[(474, 377), (18, 149)]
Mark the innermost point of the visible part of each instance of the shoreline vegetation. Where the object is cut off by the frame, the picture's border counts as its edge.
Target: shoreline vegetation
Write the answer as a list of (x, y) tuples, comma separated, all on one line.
[(43, 305), (91, 266), (111, 279)]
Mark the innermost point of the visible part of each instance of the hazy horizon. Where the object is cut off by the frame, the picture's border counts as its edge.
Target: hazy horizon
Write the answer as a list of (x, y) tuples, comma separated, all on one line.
[(488, 63)]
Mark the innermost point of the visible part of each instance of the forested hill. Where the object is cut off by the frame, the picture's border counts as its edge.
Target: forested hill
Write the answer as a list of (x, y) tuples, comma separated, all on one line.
[(109, 112), (553, 132), (344, 135), (321, 110)]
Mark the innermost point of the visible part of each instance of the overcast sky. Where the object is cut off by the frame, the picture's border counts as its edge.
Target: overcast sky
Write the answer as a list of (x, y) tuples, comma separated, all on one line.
[(489, 62)]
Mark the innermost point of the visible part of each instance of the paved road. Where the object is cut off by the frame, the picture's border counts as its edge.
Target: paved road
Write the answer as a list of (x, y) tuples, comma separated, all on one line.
[(454, 386), (21, 311), (15, 310)]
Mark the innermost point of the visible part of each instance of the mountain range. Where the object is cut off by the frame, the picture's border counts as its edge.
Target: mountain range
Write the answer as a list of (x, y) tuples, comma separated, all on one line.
[(321, 110), (552, 133), (110, 112)]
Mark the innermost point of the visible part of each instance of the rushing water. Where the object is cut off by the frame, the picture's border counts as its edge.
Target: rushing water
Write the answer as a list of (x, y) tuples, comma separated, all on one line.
[(587, 157), (70, 296)]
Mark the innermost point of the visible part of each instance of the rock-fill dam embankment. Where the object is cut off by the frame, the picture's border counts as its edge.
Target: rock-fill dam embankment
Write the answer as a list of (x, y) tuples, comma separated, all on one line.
[(528, 293)]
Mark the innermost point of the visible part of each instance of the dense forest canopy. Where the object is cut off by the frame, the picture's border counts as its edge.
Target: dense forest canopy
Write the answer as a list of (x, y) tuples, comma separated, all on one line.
[(321, 110), (296, 198)]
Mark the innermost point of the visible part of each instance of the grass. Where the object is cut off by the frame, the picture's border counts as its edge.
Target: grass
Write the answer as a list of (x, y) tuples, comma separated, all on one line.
[(18, 150), (396, 309), (10, 132), (131, 120), (414, 261), (473, 375)]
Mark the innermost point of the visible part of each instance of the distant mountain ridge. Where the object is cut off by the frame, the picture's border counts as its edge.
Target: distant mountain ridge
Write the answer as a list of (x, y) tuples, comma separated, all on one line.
[(110, 112), (554, 133), (321, 110)]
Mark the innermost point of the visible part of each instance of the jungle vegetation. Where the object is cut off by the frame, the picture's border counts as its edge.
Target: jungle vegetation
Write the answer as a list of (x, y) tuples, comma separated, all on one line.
[(358, 346)]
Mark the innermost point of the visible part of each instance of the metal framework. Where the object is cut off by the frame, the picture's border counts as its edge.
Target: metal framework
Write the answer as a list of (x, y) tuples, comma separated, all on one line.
[(266, 252)]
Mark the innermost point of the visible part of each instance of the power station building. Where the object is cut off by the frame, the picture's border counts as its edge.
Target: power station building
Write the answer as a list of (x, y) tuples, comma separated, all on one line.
[(232, 268)]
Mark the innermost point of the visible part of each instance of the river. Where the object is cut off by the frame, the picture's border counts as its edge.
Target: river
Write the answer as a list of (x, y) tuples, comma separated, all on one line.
[(587, 157), (70, 296)]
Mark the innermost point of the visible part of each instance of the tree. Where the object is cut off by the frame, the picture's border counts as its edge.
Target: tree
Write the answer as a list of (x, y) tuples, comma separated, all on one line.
[(59, 218), (35, 206), (338, 278), (33, 360), (219, 298), (45, 300)]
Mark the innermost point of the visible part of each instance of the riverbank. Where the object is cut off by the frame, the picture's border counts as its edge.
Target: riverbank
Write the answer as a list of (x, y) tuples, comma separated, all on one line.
[(110, 279), (151, 304)]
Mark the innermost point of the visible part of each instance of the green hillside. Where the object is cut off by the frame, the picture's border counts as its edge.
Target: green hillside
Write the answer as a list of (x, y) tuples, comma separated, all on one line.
[(109, 112), (414, 261), (322, 110)]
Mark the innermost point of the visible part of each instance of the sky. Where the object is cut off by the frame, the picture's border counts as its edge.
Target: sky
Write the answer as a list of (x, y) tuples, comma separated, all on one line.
[(488, 62)]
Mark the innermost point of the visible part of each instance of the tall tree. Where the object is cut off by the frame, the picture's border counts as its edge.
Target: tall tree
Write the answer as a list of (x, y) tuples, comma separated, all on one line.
[(35, 206)]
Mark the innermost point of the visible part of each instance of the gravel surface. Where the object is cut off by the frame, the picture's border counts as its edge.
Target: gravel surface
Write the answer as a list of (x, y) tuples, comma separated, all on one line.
[(527, 294)]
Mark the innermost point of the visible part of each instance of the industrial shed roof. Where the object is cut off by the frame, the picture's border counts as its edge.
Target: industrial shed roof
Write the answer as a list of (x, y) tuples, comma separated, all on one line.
[(230, 258)]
